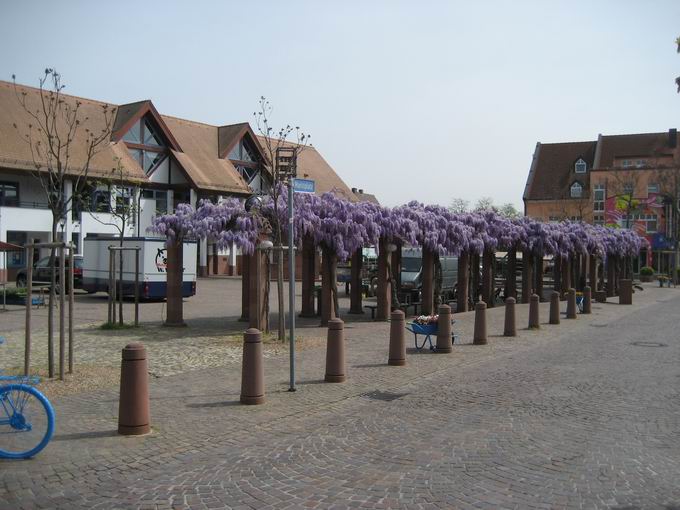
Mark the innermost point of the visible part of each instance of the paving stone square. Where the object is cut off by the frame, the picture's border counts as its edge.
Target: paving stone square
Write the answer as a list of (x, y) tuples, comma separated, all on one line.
[(584, 414)]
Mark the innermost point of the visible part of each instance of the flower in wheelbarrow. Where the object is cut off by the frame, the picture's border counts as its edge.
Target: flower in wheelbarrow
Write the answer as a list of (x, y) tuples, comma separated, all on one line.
[(427, 319)]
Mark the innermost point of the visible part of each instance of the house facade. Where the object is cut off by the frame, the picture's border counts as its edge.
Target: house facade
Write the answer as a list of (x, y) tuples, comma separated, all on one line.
[(156, 160), (628, 181)]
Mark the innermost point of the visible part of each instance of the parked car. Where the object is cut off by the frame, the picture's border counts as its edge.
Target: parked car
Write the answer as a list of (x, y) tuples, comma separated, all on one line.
[(411, 272), (42, 275)]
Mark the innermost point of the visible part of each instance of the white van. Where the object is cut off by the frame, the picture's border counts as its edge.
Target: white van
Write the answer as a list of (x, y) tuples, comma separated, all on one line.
[(152, 266)]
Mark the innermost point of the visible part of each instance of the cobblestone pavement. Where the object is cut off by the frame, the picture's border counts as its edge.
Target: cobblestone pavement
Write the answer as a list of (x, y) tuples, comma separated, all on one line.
[(581, 415)]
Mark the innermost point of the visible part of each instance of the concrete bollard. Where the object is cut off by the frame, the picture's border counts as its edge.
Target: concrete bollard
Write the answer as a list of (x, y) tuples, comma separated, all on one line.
[(554, 307), (587, 300), (571, 304), (533, 312), (625, 292), (133, 406), (335, 351), (252, 368), (479, 337), (397, 345), (444, 330), (510, 328), (601, 296)]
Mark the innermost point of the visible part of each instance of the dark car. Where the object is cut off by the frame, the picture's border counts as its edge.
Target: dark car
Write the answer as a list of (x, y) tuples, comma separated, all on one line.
[(42, 273)]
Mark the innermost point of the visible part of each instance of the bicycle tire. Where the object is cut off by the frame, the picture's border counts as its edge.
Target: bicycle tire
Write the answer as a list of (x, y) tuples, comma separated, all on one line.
[(20, 394)]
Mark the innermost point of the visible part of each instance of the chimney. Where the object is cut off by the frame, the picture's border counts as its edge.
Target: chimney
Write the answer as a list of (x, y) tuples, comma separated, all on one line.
[(672, 138), (361, 192), (354, 190)]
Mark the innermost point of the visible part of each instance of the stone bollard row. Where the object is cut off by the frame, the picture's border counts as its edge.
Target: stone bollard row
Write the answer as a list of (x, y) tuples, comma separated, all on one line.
[(252, 368), (510, 327), (587, 300), (479, 337), (554, 307), (571, 304), (534, 322), (133, 405), (397, 355), (444, 330), (335, 352)]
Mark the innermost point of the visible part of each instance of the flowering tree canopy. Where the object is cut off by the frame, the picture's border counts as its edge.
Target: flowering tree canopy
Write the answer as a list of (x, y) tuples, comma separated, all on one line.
[(342, 227)]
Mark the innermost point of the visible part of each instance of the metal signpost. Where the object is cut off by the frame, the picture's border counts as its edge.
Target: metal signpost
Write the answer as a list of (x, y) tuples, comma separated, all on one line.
[(286, 167)]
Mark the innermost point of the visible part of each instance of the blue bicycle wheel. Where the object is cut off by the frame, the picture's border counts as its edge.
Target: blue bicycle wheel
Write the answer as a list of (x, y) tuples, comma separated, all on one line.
[(26, 421)]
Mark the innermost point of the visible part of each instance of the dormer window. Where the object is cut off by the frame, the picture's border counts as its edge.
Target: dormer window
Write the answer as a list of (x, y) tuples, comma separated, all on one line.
[(242, 152), (580, 166), (145, 144), (576, 190)]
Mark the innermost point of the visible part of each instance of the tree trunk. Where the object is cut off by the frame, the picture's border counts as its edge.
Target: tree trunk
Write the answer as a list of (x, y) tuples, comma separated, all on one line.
[(511, 268), (538, 276), (120, 280), (308, 277), (328, 281), (355, 305), (527, 273), (487, 278), (395, 267), (384, 285), (462, 289), (428, 282), (566, 275), (258, 302), (474, 269), (557, 273), (592, 273), (245, 287), (611, 275), (53, 295), (174, 273), (280, 293)]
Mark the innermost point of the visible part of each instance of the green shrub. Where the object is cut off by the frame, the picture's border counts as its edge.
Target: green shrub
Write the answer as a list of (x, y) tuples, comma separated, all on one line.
[(646, 271)]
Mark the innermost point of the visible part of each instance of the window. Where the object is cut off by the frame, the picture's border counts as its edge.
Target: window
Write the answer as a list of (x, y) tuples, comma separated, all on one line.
[(243, 151), (580, 166), (651, 221), (576, 190), (9, 194), (652, 188), (575, 218), (553, 219), (598, 219), (101, 200), (599, 195), (123, 198), (640, 163), (626, 163), (161, 199), (145, 144), (628, 188)]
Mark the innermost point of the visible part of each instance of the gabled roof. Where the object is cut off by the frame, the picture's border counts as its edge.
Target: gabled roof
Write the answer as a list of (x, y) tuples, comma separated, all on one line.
[(200, 149), (128, 114), (553, 173), (15, 153), (199, 157), (633, 146)]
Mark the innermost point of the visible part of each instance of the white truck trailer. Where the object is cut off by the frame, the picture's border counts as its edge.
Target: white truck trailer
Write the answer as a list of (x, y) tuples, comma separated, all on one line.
[(152, 266)]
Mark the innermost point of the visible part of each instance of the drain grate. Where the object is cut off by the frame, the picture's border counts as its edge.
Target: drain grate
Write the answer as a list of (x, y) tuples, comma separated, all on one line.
[(384, 396), (649, 344)]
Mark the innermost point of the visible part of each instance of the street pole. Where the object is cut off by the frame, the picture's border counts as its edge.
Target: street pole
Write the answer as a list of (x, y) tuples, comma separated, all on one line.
[(291, 283)]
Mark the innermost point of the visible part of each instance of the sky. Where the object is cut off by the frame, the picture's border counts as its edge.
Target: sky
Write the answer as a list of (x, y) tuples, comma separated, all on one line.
[(409, 100)]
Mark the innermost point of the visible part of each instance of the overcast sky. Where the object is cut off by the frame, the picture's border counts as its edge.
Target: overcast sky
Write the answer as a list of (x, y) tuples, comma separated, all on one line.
[(408, 100)]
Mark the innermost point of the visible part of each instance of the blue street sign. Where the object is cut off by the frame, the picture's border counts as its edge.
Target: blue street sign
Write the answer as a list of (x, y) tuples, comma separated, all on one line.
[(303, 186)]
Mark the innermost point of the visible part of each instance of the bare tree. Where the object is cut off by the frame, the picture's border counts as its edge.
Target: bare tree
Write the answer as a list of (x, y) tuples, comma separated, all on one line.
[(122, 211), (622, 186), (459, 205), (577, 207), (509, 211), (55, 132), (274, 141), (485, 204)]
